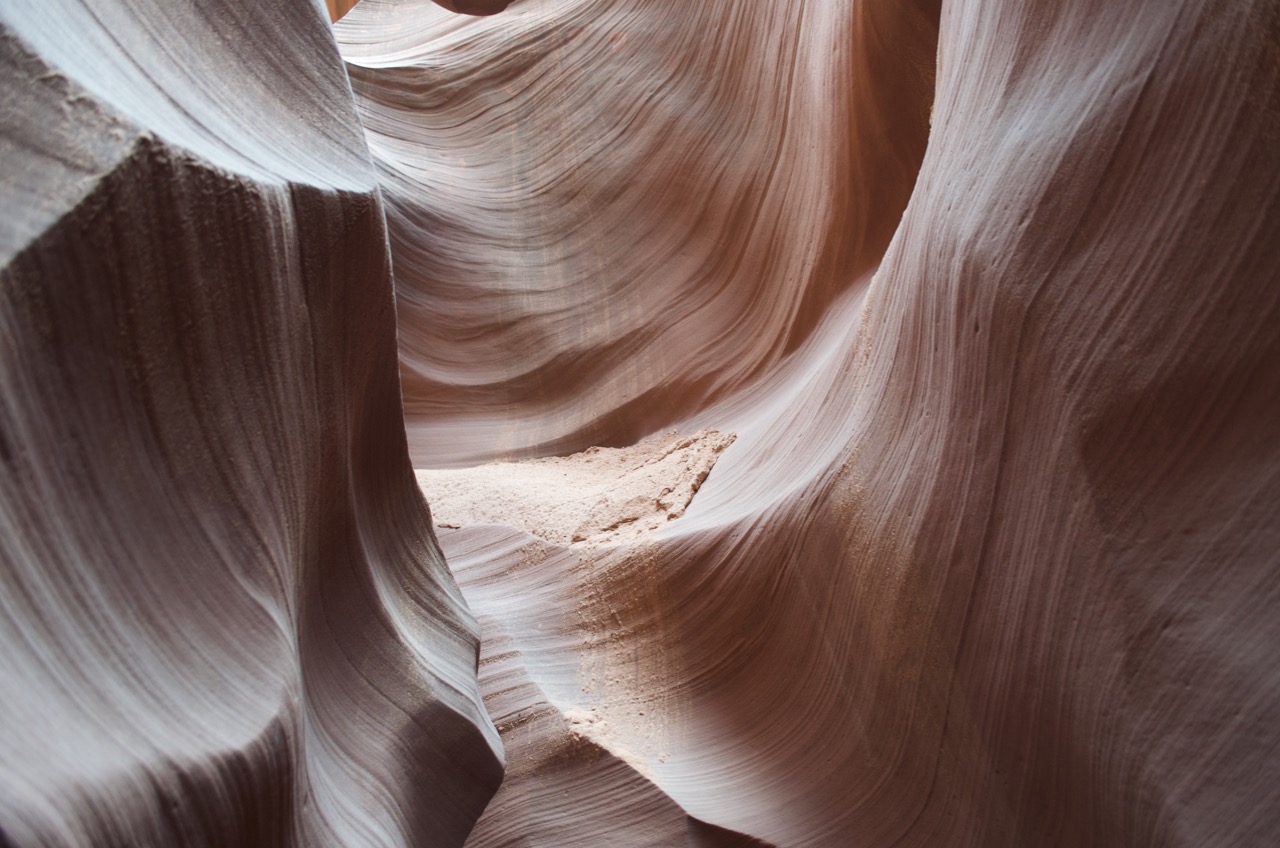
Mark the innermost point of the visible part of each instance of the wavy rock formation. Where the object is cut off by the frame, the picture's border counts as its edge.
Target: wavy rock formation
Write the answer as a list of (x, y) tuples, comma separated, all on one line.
[(848, 423), (993, 558), (225, 618), (607, 216)]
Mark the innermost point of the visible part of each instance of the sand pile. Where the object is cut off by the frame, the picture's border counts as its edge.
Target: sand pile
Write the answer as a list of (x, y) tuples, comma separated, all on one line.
[(598, 496)]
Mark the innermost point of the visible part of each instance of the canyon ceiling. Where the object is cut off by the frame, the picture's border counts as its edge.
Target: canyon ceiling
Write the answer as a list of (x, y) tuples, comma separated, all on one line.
[(560, 423)]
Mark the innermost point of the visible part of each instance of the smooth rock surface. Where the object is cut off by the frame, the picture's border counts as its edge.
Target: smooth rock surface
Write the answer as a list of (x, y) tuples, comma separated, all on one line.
[(993, 559), (607, 216), (967, 315), (224, 616)]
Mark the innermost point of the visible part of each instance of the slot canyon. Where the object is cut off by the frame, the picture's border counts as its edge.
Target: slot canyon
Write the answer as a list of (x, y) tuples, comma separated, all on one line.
[(611, 423)]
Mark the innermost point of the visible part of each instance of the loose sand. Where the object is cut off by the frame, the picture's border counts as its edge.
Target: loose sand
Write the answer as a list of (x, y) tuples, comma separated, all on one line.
[(598, 496)]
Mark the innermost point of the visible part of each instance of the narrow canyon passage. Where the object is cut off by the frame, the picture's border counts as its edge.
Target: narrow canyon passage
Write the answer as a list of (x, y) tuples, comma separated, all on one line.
[(572, 423), (656, 216)]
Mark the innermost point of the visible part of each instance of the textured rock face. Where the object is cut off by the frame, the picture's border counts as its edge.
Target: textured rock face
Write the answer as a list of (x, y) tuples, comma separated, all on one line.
[(225, 619), (993, 558), (987, 294), (607, 216)]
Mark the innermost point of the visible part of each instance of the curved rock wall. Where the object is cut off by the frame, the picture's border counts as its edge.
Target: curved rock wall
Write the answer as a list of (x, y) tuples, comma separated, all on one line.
[(992, 560), (963, 315), (606, 216), (225, 619)]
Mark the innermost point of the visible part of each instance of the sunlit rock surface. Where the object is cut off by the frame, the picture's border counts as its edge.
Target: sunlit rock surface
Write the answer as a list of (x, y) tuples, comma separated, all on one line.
[(849, 423)]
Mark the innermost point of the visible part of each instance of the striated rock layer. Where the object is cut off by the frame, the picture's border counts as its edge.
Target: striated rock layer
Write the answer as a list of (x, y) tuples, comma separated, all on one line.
[(606, 216), (993, 559), (848, 423), (225, 619)]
